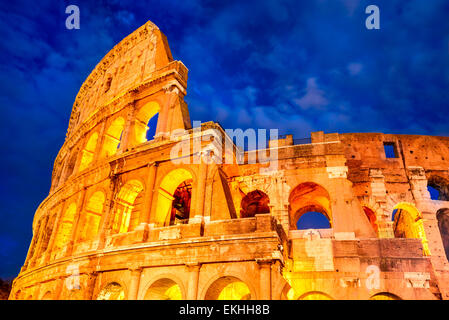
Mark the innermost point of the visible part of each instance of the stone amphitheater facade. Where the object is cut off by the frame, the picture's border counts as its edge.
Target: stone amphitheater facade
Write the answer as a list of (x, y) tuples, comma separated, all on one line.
[(124, 221)]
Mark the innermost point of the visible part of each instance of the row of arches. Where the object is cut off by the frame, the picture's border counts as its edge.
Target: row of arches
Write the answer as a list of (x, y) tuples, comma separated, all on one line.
[(142, 128), (224, 288), (309, 207)]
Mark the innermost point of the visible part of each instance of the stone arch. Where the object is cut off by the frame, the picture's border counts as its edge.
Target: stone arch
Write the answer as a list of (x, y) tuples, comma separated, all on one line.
[(144, 117), (253, 203), (71, 163), (408, 223), (228, 288), (441, 185), (112, 291), (47, 296), (88, 153), (287, 293), (384, 296), (315, 295), (112, 137), (91, 216), (309, 197), (128, 206), (370, 214), (168, 197), (65, 227), (443, 226), (164, 289)]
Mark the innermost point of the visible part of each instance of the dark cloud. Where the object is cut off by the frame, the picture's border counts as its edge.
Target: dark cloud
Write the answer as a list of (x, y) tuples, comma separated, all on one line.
[(295, 65)]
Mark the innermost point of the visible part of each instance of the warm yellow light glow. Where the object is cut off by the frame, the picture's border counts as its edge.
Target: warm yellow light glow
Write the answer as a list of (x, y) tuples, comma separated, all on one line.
[(164, 289), (112, 137), (235, 291), (92, 216), (112, 291), (408, 223), (144, 115), (65, 230), (165, 195), (228, 288), (385, 296), (125, 206), (315, 296), (88, 152)]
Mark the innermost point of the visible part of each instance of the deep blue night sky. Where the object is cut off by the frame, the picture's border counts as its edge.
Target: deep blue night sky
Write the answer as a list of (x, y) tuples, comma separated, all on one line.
[(299, 66)]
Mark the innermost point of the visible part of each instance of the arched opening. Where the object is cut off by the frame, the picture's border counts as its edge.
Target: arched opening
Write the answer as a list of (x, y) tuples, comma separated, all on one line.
[(65, 227), (112, 137), (128, 206), (408, 223), (310, 207), (88, 153), (228, 288), (385, 296), (174, 197), (371, 215), (443, 225), (47, 296), (164, 289), (112, 291), (71, 165), (92, 216), (253, 203), (146, 122), (315, 295), (438, 188)]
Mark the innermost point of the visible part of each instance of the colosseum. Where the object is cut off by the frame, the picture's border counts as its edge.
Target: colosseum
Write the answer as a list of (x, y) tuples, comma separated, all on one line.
[(138, 216)]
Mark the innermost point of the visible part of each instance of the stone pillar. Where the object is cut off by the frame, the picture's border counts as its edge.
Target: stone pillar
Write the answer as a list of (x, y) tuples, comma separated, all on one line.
[(108, 213), (201, 188), (90, 285), (148, 197), (41, 234), (264, 279), (99, 146), (58, 288), (124, 143), (76, 224), (54, 233), (165, 115), (194, 274), (135, 283)]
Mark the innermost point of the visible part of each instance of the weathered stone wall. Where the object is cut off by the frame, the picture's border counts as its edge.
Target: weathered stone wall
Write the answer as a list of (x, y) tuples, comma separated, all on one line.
[(104, 232)]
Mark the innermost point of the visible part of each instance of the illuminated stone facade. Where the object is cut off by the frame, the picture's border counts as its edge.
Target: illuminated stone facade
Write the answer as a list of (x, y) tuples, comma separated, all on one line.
[(125, 221)]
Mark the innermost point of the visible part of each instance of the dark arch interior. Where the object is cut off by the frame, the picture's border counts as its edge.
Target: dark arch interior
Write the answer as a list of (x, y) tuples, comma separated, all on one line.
[(438, 188), (181, 203), (443, 225), (253, 203)]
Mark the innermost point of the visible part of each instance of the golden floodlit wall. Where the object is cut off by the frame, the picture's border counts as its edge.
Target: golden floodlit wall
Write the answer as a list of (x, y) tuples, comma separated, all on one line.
[(129, 218)]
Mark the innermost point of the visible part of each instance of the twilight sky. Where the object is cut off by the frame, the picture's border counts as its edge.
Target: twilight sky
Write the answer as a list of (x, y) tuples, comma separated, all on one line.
[(298, 66)]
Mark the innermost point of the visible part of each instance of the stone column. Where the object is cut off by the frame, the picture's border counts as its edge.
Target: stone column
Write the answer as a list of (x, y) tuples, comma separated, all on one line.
[(76, 224), (108, 213), (165, 115), (135, 283), (264, 279), (201, 188), (90, 286), (148, 197), (58, 288), (54, 233), (124, 143), (194, 274)]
